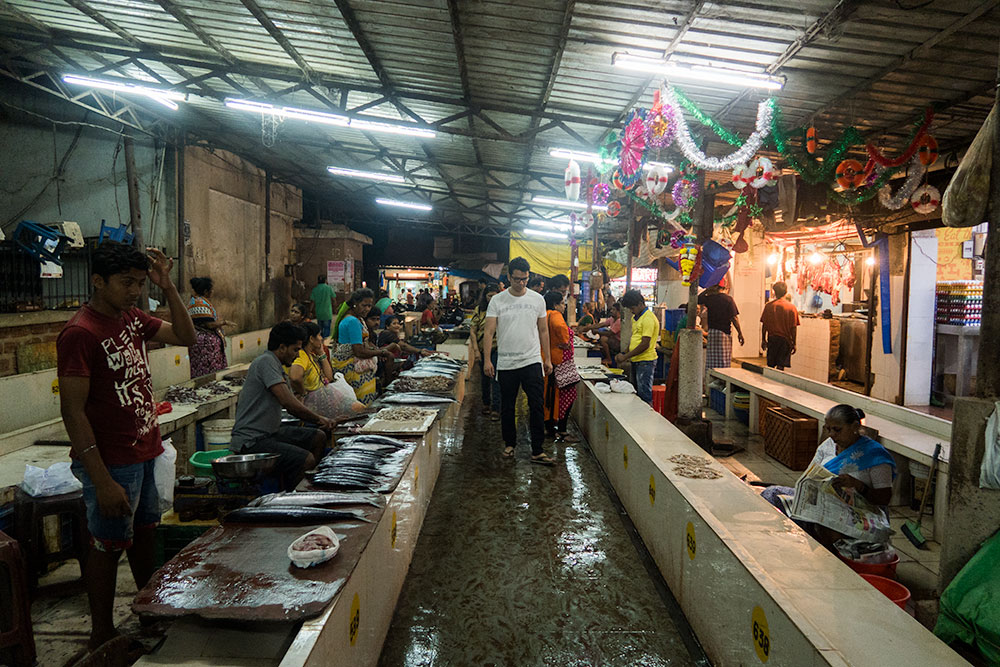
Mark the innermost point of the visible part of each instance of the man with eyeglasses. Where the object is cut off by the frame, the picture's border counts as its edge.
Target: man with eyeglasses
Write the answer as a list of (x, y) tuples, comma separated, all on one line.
[(517, 316)]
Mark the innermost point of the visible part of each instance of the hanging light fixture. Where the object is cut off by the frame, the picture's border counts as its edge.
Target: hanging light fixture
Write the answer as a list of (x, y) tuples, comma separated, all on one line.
[(697, 73), (403, 204), (368, 175), (167, 98), (331, 119), (565, 203), (545, 234)]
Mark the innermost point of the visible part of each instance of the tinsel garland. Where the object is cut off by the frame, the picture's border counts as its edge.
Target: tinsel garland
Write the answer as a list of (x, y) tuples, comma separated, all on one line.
[(914, 144), (894, 202), (808, 166), (862, 194), (729, 137), (742, 155)]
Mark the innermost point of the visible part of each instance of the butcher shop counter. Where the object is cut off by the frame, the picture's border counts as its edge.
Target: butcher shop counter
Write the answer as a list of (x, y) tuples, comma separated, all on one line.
[(350, 629)]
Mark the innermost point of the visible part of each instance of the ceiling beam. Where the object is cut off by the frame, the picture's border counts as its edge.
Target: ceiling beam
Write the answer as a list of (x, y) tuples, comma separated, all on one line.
[(279, 37)]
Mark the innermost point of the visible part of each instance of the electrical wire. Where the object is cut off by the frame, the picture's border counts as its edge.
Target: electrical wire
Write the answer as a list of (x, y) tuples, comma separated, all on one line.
[(52, 179)]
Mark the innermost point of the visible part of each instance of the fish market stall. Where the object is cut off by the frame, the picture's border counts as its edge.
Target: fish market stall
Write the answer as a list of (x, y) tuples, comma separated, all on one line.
[(371, 491)]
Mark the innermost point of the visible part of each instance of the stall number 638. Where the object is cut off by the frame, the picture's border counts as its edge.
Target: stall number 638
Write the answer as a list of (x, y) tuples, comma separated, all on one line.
[(760, 636)]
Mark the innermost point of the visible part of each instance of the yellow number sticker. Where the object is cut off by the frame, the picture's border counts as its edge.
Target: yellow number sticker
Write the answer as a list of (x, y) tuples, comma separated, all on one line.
[(393, 533), (607, 431), (593, 408), (652, 490), (177, 360), (416, 476), (761, 635), (692, 543), (241, 343), (258, 342), (55, 386), (625, 456), (352, 631)]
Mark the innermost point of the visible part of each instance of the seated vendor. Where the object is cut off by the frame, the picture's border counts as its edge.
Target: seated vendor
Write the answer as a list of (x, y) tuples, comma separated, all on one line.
[(390, 336), (265, 392), (861, 465)]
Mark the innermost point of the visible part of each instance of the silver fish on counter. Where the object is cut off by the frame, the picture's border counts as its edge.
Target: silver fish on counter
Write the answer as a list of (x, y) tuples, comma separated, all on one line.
[(314, 499), (292, 515)]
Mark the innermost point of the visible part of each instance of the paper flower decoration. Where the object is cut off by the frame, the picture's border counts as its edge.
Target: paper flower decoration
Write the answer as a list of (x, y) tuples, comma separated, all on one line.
[(684, 193), (633, 147), (660, 129), (600, 194)]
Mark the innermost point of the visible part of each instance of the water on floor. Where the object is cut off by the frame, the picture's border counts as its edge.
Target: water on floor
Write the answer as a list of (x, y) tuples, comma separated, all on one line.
[(519, 564)]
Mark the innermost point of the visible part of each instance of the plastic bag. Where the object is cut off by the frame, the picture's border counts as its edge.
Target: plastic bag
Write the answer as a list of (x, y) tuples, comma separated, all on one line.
[(989, 473), (968, 194), (622, 387), (312, 557), (55, 480), (164, 473), (968, 605), (343, 397)]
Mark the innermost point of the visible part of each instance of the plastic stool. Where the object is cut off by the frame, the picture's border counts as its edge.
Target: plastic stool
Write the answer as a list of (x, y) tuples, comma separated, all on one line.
[(17, 643), (29, 515), (659, 397)]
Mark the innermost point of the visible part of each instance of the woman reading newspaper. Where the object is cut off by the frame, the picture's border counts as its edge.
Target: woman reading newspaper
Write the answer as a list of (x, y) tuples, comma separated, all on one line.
[(860, 472)]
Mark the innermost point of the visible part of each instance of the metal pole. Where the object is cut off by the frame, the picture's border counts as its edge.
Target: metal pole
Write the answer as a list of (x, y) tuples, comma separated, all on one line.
[(988, 371), (698, 216), (628, 249), (135, 213)]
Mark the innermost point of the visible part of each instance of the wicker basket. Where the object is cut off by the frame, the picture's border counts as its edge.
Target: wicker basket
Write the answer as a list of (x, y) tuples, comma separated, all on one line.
[(791, 437), (762, 406)]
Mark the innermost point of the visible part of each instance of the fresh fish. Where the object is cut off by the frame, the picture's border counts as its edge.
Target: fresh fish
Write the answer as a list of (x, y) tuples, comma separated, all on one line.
[(416, 398), (375, 439), (315, 499), (292, 515)]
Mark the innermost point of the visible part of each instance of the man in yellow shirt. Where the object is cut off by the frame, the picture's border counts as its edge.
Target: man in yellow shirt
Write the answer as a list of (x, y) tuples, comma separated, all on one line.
[(641, 347)]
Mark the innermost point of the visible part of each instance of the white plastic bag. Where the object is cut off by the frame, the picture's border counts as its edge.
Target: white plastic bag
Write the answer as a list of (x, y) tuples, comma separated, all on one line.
[(312, 557), (989, 473), (55, 480), (347, 400), (622, 387), (164, 473)]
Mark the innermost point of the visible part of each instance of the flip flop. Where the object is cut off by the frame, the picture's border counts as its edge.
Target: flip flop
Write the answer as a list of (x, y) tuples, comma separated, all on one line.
[(543, 459), (508, 452)]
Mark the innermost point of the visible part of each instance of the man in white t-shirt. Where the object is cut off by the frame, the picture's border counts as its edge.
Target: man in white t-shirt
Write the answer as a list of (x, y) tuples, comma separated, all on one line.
[(517, 316)]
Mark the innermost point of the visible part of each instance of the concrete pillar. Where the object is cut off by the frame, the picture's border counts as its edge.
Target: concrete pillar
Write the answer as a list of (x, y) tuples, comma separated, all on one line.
[(973, 514), (691, 373)]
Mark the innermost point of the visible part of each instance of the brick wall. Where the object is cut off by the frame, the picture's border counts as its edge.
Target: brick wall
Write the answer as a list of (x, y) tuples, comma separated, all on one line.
[(29, 345)]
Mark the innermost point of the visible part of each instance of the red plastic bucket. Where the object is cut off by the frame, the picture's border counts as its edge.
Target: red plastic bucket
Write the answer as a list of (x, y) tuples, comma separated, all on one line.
[(659, 397), (893, 590), (887, 569)]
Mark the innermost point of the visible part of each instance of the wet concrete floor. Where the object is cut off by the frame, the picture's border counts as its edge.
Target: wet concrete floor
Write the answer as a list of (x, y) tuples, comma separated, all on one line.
[(519, 564)]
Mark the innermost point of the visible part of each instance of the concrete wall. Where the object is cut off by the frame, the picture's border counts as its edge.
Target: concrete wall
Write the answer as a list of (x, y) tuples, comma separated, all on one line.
[(91, 184), (920, 325), (316, 247), (225, 206)]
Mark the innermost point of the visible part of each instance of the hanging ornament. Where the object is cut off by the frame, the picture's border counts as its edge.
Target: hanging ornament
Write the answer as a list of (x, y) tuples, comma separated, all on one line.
[(656, 180), (850, 174), (677, 239), (688, 257), (768, 175), (616, 180), (894, 202), (572, 181), (925, 199), (600, 193), (741, 177), (765, 112), (904, 157), (633, 145), (811, 141), (684, 193), (927, 150), (614, 208)]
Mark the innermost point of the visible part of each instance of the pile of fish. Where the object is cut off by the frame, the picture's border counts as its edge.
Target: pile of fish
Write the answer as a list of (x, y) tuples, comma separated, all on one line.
[(316, 499), (216, 389), (437, 384), (183, 395), (403, 413), (416, 398), (434, 366), (364, 462)]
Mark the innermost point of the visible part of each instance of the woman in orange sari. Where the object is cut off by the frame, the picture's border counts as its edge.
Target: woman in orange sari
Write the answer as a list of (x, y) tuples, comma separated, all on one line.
[(560, 385)]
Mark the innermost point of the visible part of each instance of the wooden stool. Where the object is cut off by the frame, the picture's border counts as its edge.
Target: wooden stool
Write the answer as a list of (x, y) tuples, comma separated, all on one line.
[(29, 515), (17, 643)]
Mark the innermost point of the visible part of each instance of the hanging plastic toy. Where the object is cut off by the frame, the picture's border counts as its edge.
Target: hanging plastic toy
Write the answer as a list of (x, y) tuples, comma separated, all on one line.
[(688, 258), (572, 181)]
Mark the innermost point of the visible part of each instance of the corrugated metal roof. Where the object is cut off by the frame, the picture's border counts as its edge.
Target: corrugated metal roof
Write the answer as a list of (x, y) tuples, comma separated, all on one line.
[(501, 82)]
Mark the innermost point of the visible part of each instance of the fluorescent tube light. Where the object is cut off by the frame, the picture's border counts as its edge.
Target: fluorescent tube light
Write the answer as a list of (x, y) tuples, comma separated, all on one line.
[(331, 118), (403, 204), (370, 175), (696, 73), (551, 224), (545, 234), (167, 98), (565, 203), (579, 156), (664, 165)]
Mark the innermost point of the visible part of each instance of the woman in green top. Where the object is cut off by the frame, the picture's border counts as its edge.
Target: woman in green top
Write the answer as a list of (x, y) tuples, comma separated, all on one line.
[(383, 302), (490, 386)]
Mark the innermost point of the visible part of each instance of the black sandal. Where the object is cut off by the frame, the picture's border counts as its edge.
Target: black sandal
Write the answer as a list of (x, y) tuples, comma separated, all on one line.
[(543, 459), (508, 452)]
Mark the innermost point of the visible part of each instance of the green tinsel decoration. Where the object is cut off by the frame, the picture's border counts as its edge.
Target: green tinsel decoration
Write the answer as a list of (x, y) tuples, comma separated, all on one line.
[(706, 120), (808, 166), (855, 197)]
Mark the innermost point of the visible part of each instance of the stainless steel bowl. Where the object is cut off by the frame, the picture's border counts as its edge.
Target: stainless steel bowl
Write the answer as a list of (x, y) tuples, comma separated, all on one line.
[(244, 466)]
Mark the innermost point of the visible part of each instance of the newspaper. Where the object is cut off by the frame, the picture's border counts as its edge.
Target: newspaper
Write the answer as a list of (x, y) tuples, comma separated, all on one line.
[(817, 501)]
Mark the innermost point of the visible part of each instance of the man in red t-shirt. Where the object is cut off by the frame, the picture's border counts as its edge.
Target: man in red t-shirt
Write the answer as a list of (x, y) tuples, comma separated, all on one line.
[(106, 400), (778, 325)]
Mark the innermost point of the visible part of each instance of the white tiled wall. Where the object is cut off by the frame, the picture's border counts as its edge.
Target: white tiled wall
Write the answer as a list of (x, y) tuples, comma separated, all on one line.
[(812, 355), (920, 317), (885, 367)]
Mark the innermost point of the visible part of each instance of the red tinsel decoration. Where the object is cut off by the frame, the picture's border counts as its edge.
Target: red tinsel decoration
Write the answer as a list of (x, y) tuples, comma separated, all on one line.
[(878, 158)]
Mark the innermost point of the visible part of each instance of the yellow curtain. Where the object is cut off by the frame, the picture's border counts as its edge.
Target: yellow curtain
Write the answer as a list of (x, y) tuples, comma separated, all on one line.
[(550, 259)]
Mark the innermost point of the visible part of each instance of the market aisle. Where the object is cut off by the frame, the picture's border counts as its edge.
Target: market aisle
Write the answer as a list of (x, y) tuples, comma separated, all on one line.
[(518, 564)]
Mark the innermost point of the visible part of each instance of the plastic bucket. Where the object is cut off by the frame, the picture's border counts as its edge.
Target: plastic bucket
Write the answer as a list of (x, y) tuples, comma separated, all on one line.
[(893, 590), (203, 460), (217, 434), (886, 569)]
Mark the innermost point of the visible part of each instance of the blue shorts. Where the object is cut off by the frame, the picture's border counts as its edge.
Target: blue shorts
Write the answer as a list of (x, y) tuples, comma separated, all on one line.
[(115, 533)]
